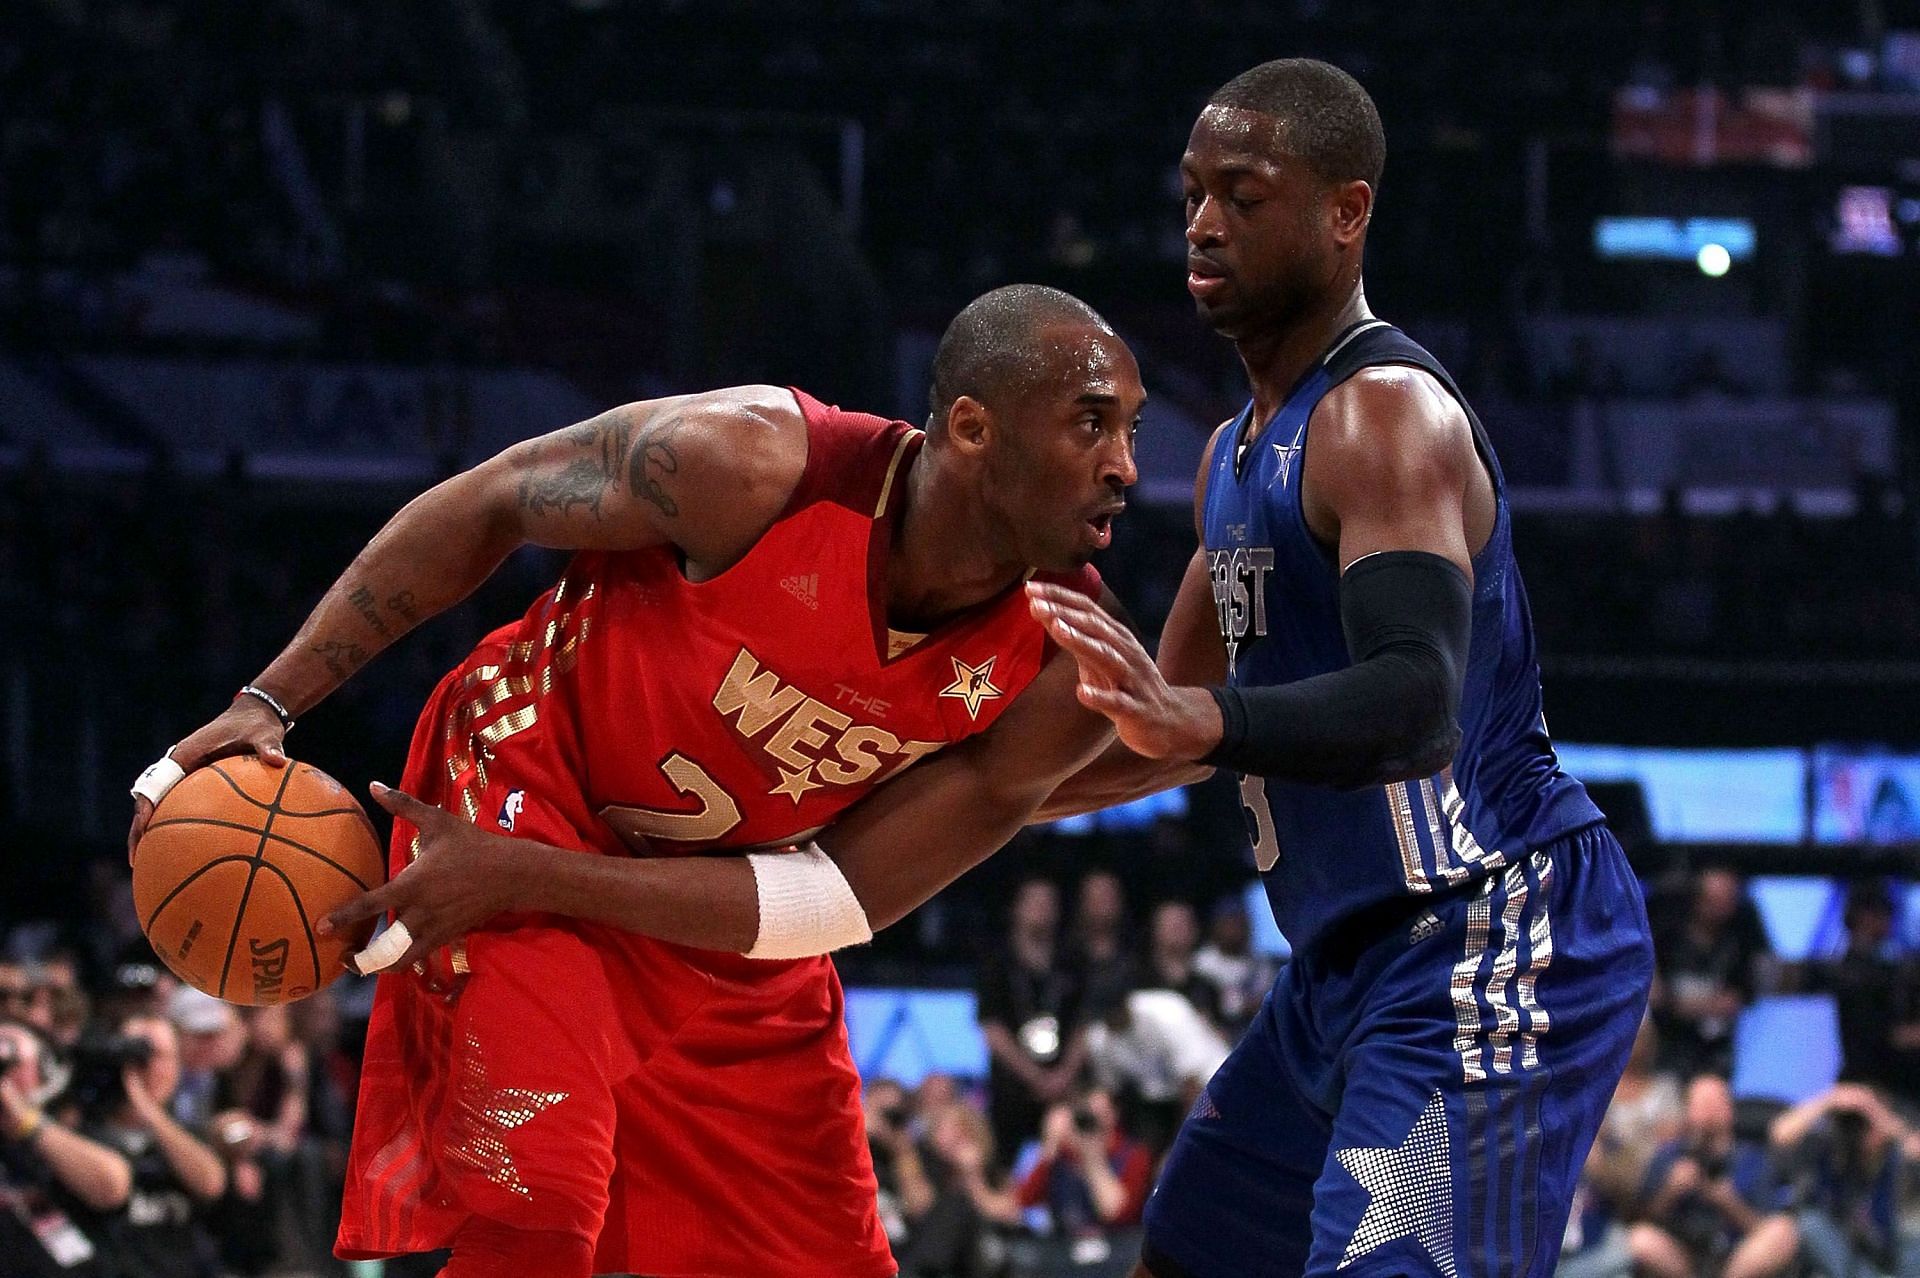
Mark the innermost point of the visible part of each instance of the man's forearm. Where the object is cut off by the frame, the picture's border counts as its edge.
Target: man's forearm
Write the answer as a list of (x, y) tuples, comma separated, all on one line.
[(430, 556), (96, 1175), (708, 902), (713, 902), (198, 1167), (1118, 776)]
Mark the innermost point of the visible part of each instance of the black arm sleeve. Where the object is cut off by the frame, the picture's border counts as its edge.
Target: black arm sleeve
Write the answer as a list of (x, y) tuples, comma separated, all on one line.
[(1390, 716)]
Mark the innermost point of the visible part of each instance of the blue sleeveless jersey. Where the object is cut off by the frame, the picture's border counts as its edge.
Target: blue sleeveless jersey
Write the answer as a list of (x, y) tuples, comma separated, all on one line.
[(1326, 855)]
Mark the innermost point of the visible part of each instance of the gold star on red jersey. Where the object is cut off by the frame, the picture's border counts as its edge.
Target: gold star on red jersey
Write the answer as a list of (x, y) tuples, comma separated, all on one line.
[(794, 784), (972, 684)]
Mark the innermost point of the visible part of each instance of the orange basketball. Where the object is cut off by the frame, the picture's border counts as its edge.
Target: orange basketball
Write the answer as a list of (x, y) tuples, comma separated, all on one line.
[(238, 864)]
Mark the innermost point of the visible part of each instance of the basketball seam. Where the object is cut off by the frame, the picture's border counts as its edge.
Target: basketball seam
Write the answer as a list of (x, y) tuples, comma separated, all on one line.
[(259, 859), (233, 785), (188, 882), (275, 838)]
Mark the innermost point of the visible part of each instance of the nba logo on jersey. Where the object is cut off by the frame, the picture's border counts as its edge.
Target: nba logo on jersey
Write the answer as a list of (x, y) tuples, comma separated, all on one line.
[(510, 809)]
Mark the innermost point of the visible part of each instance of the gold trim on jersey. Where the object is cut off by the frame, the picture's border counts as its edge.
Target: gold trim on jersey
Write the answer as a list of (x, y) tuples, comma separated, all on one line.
[(486, 688), (886, 485)]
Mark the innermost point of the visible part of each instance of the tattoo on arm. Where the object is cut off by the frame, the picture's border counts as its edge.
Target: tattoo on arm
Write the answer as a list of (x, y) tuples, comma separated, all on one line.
[(401, 604), (651, 461), (362, 601), (342, 658), (582, 476)]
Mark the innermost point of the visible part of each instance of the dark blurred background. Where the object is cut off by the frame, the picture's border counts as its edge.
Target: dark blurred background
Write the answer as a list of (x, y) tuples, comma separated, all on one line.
[(268, 268)]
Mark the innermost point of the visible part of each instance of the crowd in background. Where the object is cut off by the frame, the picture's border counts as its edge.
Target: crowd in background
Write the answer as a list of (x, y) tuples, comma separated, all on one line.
[(167, 1133)]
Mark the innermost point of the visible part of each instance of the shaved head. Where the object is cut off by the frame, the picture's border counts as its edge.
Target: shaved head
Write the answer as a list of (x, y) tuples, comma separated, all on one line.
[(1327, 119), (991, 351)]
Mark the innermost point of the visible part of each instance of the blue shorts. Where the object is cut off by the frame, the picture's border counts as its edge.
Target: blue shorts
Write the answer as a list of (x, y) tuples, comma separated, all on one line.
[(1419, 1100)]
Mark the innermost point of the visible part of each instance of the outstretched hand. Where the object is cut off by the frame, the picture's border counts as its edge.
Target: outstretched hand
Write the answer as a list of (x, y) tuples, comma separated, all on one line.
[(463, 876), (1119, 679)]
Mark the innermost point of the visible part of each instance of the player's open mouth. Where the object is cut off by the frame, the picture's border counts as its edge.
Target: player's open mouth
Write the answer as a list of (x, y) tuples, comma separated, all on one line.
[(1102, 525)]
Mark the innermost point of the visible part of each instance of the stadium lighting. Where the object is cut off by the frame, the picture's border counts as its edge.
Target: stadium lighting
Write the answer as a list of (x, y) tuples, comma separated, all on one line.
[(1714, 260)]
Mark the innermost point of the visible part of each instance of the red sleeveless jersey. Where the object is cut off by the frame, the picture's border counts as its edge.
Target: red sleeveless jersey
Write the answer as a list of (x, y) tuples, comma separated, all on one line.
[(664, 714)]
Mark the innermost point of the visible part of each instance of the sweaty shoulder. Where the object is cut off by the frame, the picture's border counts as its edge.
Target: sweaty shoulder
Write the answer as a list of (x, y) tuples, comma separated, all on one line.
[(721, 466), (1392, 405), (1391, 445)]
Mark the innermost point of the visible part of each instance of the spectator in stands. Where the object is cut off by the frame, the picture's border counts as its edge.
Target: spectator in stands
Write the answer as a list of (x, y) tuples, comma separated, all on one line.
[(1154, 1052), (1604, 1237), (930, 1100), (1092, 1177), (1603, 1241), (1240, 978), (17, 994), (1648, 1111), (175, 1174), (319, 1165), (1106, 963), (1706, 963), (1716, 1194), (136, 985), (1843, 1152), (60, 1001), (969, 1202), (1030, 1013), (904, 1191), (49, 1173), (260, 1129), (1875, 998), (211, 1042), (1172, 942)]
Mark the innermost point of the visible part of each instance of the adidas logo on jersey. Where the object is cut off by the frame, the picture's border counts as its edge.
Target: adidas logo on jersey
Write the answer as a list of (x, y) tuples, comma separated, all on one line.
[(805, 588), (1427, 925)]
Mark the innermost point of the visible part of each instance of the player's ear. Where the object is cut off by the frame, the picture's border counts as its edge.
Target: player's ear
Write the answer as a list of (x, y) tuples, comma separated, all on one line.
[(969, 422), (1352, 204)]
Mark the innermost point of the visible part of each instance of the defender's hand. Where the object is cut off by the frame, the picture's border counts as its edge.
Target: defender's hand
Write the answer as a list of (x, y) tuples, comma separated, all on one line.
[(1119, 679), (245, 727), (463, 877)]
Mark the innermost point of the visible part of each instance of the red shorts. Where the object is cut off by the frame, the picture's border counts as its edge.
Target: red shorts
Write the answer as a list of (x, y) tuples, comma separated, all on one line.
[(696, 1115)]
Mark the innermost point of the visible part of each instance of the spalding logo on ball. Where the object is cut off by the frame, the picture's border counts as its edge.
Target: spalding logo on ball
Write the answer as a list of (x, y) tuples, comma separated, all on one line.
[(238, 864)]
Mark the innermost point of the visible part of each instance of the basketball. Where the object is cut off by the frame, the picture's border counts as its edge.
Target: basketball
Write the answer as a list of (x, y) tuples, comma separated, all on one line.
[(238, 864)]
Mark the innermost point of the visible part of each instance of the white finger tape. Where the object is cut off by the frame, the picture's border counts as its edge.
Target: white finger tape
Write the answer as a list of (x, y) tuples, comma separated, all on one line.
[(385, 950), (161, 776)]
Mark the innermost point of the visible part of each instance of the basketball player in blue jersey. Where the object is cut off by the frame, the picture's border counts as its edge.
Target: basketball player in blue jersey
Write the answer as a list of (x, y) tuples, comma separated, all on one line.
[(1418, 1093)]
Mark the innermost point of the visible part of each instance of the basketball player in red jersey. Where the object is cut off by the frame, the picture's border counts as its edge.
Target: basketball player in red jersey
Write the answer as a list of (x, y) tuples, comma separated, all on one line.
[(777, 607)]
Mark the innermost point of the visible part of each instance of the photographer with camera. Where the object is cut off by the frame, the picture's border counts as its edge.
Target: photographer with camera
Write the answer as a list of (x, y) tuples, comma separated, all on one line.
[(1092, 1177), (47, 1170), (1717, 1195), (125, 1082), (1844, 1149)]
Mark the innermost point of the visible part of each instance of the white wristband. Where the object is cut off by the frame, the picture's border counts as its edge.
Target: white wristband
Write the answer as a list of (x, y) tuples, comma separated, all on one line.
[(161, 776), (807, 907), (385, 950)]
